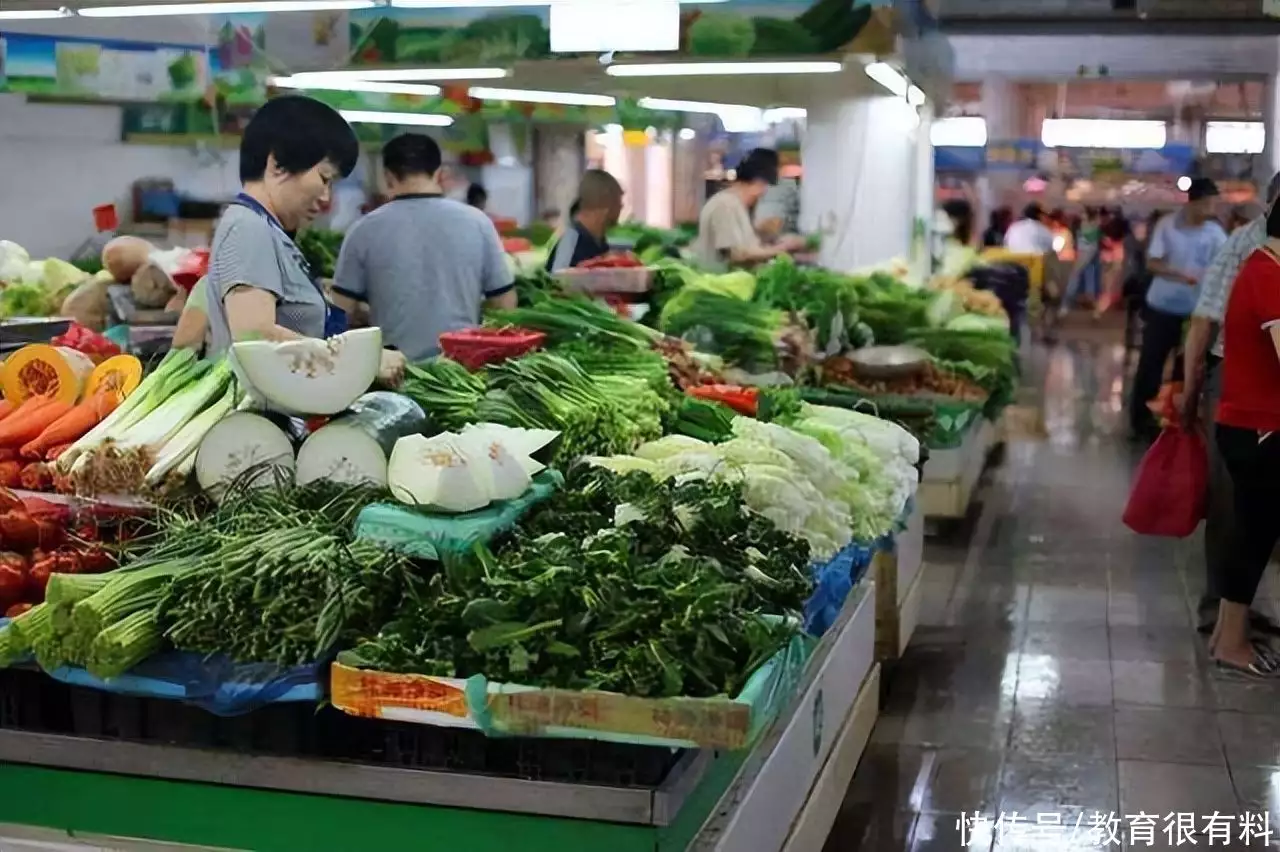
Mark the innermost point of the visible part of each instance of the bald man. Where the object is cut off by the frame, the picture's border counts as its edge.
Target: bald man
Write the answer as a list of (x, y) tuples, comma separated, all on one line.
[(597, 209)]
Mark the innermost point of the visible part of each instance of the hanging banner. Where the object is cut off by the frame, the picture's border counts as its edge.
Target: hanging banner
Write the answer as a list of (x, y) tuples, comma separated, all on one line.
[(730, 29), (45, 66), (1013, 155), (1173, 159), (962, 160)]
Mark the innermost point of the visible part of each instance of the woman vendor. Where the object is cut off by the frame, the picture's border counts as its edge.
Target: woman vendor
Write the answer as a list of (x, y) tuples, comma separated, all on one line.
[(259, 283)]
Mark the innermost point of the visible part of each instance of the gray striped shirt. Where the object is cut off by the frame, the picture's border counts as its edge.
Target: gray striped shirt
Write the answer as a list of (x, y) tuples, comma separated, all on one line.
[(248, 250)]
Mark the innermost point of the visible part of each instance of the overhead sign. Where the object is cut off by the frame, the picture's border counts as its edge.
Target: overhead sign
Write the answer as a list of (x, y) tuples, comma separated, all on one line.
[(589, 26)]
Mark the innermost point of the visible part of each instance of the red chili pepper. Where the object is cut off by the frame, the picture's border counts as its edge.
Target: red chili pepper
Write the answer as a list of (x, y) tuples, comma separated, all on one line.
[(17, 610), (741, 399)]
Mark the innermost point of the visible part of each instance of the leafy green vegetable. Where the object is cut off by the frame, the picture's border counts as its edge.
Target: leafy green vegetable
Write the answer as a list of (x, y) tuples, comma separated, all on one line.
[(616, 583), (721, 34), (25, 300)]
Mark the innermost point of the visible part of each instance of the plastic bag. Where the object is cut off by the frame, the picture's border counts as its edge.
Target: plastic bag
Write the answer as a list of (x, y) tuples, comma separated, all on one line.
[(1171, 486)]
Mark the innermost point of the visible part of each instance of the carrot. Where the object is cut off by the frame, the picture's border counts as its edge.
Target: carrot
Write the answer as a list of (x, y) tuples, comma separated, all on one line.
[(28, 423), (72, 425), (54, 452)]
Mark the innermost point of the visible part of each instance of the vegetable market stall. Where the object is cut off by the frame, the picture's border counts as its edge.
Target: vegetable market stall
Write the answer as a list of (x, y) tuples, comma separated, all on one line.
[(647, 563), (951, 476)]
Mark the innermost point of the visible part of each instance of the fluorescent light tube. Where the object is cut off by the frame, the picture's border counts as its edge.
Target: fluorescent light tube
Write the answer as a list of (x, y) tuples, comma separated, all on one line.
[(33, 14), (357, 86), (535, 97), (236, 7), (736, 118), (1102, 133), (889, 77), (1234, 137), (915, 96), (703, 69), (418, 119), (394, 75), (964, 131)]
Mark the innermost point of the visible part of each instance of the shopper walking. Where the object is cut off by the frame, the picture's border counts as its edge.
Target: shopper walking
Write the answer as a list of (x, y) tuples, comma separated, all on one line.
[(421, 264), (997, 224), (1202, 369), (1029, 235), (260, 286), (1248, 436), (598, 208), (1181, 250)]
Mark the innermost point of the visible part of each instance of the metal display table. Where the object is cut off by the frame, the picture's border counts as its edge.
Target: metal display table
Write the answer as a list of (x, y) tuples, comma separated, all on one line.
[(781, 794)]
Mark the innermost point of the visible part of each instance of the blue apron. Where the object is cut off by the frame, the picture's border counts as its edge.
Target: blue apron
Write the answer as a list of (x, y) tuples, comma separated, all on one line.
[(335, 318)]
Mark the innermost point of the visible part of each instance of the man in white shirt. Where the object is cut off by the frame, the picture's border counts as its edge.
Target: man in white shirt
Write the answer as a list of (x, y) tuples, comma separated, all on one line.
[(1029, 235)]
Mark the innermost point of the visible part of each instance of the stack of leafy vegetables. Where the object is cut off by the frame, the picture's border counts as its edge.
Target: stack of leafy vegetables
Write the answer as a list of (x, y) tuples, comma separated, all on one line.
[(279, 577), (320, 247), (567, 318), (988, 358), (616, 583), (739, 330), (827, 300)]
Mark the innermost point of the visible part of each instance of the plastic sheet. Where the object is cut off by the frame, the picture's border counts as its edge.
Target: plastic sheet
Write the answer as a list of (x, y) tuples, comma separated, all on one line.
[(215, 684), (832, 582), (426, 535)]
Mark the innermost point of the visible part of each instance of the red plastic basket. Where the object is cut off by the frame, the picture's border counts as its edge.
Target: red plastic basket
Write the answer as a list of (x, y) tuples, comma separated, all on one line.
[(475, 347)]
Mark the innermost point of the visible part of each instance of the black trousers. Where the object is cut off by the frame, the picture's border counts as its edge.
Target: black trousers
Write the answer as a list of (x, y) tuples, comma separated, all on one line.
[(1255, 475), (1220, 513), (1161, 334)]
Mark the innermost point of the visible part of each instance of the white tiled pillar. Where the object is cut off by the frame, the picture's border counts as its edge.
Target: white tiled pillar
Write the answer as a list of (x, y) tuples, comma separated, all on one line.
[(859, 184)]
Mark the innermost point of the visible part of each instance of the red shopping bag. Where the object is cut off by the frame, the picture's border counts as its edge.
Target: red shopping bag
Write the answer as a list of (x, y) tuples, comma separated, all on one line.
[(1171, 486)]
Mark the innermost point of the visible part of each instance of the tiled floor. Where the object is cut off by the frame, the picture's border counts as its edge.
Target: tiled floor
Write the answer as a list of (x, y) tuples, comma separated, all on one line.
[(1057, 672)]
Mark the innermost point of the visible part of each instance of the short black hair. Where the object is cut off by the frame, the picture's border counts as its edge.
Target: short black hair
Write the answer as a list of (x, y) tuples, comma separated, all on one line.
[(411, 154), (757, 168), (1033, 211), (477, 194), (300, 133), (1202, 188)]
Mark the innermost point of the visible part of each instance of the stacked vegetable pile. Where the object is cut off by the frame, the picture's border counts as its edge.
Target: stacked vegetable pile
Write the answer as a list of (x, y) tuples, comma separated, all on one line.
[(616, 583), (34, 288)]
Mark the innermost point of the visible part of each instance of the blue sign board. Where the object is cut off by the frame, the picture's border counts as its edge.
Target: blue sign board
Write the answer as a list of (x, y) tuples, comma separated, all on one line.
[(947, 159)]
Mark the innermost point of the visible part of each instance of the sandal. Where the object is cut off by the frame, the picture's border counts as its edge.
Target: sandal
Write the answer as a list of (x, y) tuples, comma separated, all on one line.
[(1263, 666)]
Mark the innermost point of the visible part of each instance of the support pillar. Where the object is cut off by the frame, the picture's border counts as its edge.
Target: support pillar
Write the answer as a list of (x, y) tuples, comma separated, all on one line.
[(859, 157), (1269, 163), (1005, 109)]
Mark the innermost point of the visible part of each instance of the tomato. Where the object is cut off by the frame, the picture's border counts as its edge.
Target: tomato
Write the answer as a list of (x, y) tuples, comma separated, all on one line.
[(18, 531), (13, 578)]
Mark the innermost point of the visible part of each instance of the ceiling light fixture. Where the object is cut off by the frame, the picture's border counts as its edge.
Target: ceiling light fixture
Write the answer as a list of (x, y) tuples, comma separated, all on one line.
[(915, 96), (961, 131), (396, 75), (416, 119), (536, 97), (706, 69), (234, 7), (736, 118), (889, 77), (356, 86), (496, 4), (34, 14), (1103, 133)]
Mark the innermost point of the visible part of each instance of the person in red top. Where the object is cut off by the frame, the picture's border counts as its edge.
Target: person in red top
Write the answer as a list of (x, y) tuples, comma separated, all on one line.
[(1248, 436)]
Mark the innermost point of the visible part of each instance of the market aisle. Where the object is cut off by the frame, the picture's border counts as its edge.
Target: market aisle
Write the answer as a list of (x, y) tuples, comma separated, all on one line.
[(1056, 670)]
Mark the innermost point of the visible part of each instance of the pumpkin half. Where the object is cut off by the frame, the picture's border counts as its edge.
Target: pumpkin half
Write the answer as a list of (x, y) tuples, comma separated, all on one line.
[(120, 374), (39, 369)]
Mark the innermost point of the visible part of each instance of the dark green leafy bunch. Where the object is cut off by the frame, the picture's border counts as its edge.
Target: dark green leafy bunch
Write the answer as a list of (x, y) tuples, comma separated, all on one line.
[(989, 358), (278, 577), (703, 419), (617, 583), (320, 247), (740, 331), (533, 285), (448, 392), (828, 300), (566, 318)]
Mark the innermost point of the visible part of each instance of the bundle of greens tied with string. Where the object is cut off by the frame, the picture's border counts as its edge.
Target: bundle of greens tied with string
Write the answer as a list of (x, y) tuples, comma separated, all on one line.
[(617, 583)]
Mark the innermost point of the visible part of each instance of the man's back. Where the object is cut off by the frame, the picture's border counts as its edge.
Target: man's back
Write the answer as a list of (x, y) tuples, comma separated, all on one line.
[(1028, 236), (424, 265)]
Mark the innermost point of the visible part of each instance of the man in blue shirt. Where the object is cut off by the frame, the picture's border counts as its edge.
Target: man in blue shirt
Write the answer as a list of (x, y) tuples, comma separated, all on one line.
[(1182, 247)]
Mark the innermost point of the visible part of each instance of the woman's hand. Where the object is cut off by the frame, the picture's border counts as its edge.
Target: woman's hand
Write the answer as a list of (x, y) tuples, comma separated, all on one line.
[(391, 371)]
